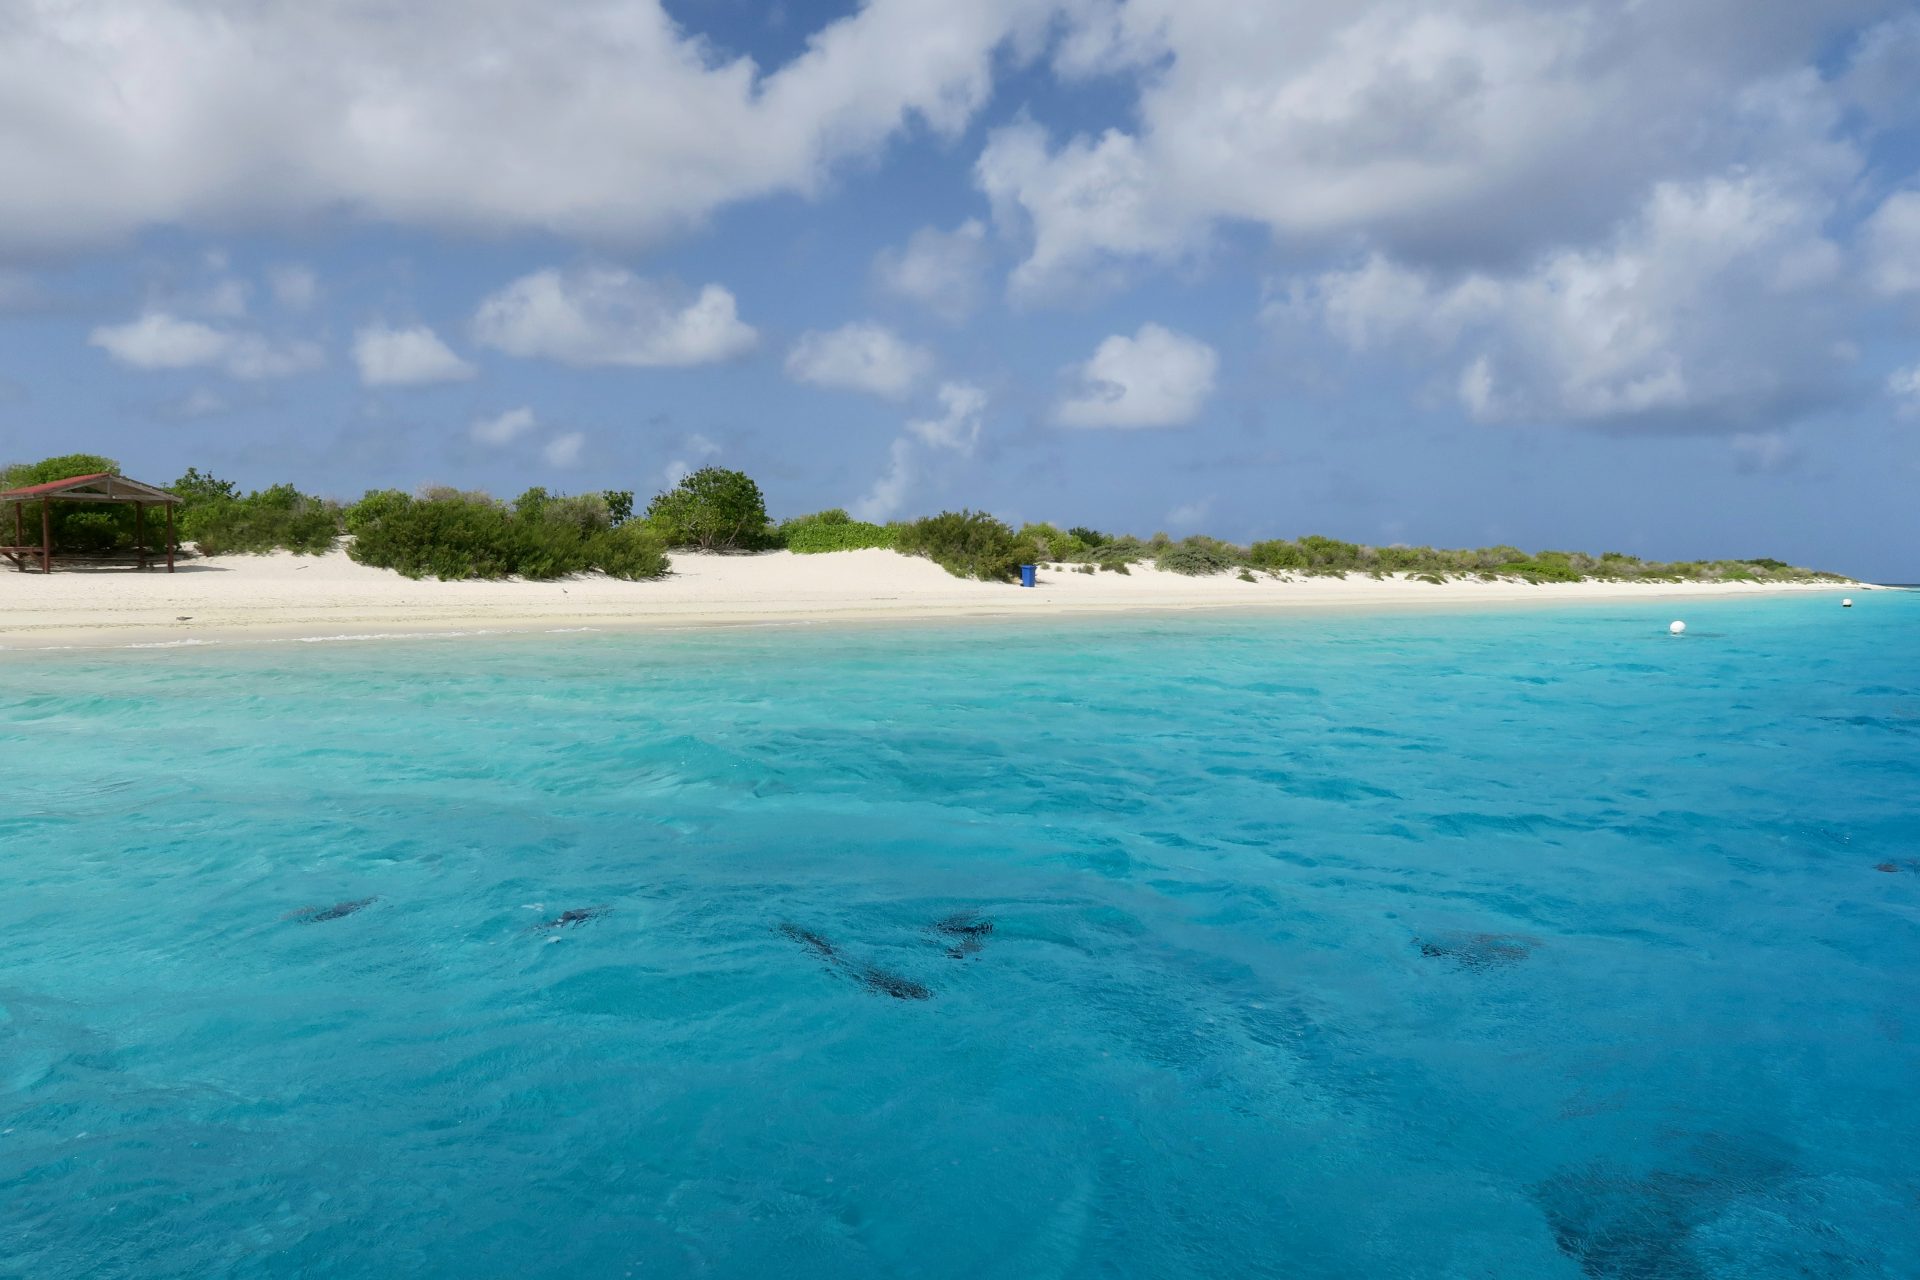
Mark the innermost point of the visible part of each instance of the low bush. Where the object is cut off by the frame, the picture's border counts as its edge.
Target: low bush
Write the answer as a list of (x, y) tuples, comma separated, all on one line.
[(1118, 552), (279, 518), (1195, 557), (832, 530), (967, 544), (1053, 544), (452, 535)]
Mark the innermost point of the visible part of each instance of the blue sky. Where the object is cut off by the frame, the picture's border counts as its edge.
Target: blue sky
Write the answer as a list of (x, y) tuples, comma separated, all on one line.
[(1610, 276)]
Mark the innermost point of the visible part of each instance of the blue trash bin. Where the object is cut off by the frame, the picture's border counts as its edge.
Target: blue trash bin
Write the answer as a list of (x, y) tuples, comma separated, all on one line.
[(1026, 575)]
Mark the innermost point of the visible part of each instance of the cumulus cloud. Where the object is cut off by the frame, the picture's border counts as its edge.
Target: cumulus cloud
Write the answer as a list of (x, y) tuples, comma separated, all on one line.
[(889, 492), (504, 428), (198, 403), (1699, 312), (1156, 378), (943, 271), (608, 316), (1893, 245), (226, 299), (563, 451), (600, 118), (1879, 77), (1757, 452), (410, 357), (1904, 387), (695, 450), (1082, 207), (956, 430), (958, 427), (859, 357), (1449, 134), (294, 287), (1188, 515), (160, 341)]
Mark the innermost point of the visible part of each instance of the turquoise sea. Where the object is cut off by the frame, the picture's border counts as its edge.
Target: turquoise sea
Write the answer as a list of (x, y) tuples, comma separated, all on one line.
[(1514, 944)]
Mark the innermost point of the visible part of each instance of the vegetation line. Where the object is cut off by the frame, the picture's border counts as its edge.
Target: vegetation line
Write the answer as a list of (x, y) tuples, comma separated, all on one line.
[(452, 534)]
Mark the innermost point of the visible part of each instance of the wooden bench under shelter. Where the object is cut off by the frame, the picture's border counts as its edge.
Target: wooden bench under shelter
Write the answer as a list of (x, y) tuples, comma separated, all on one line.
[(100, 487)]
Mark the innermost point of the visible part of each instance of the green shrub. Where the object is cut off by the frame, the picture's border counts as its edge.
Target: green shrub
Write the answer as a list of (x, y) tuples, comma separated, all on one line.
[(1118, 552), (448, 534), (1196, 557), (1051, 543), (967, 544), (1277, 554), (1246, 575), (279, 518), (713, 509), (629, 550), (832, 530)]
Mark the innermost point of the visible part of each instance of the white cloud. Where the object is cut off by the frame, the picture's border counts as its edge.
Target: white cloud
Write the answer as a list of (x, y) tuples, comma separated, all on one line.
[(1904, 386), (695, 450), (1082, 206), (889, 492), (1893, 245), (198, 403), (504, 428), (607, 316), (411, 357), (1189, 514), (227, 299), (159, 340), (1879, 79), (1763, 451), (1157, 378), (294, 287), (958, 426), (955, 431), (564, 451), (943, 271), (1446, 133), (1699, 312), (859, 357), (601, 118)]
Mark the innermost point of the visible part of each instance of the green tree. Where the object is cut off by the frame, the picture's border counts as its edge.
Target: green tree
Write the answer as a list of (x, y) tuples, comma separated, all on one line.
[(78, 527), (713, 509)]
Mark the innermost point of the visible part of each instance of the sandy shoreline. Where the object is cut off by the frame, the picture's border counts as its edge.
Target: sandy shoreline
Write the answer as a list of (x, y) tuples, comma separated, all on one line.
[(281, 596)]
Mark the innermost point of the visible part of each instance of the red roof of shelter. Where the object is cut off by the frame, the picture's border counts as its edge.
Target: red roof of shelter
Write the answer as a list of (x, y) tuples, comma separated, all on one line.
[(101, 486)]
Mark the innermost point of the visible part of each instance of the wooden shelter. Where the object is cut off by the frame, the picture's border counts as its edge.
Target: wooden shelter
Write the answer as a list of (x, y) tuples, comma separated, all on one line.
[(99, 487)]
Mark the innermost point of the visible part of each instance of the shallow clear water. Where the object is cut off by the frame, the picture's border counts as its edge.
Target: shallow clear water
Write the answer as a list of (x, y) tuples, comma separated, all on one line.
[(1525, 944)]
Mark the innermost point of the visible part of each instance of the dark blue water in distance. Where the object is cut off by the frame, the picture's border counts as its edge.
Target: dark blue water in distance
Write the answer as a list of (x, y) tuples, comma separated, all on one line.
[(1522, 944)]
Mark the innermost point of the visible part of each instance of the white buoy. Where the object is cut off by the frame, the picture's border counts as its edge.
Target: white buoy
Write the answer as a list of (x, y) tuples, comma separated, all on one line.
[(1676, 628), (1847, 603)]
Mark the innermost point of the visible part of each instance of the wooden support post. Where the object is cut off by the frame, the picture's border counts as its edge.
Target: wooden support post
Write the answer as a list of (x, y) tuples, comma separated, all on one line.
[(46, 535), (169, 537), (140, 532)]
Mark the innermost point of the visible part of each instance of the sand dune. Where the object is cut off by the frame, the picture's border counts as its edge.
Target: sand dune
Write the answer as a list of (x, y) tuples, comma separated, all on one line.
[(230, 597)]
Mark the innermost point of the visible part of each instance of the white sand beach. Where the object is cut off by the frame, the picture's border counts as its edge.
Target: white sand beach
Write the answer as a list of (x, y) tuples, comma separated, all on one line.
[(283, 595)]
